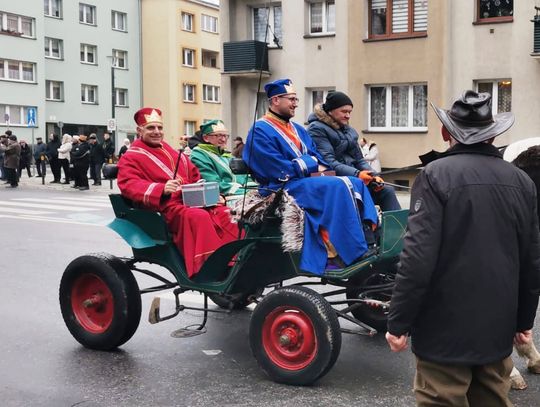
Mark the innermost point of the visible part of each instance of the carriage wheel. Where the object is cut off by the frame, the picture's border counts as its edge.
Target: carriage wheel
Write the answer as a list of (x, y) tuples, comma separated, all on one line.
[(295, 336), (373, 315), (100, 301)]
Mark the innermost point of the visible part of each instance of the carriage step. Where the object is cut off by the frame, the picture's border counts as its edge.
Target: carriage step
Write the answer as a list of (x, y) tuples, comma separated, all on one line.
[(154, 317)]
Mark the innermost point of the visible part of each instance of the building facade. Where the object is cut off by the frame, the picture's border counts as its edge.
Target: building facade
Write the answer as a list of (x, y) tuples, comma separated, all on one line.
[(182, 62), (69, 66), (392, 57)]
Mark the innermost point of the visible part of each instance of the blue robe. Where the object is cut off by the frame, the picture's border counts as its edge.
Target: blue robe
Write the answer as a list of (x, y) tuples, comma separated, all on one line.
[(337, 204)]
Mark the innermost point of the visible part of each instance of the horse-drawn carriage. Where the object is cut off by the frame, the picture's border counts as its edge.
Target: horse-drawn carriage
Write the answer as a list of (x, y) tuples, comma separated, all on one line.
[(294, 333)]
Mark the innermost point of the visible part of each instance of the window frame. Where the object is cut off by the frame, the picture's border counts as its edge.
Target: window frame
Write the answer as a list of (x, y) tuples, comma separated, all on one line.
[(194, 123), (49, 55), (93, 13), (86, 52), (84, 97), (20, 72), (22, 114), (209, 18), (213, 91), (117, 93), (185, 94), (4, 26), (50, 8), (322, 89), (271, 21), (187, 51), (49, 90), (388, 128), (495, 92), (489, 20), (115, 17), (325, 31), (206, 55), (191, 21), (411, 33), (119, 55)]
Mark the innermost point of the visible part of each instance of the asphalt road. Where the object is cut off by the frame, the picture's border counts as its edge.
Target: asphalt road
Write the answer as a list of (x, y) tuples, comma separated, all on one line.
[(42, 365)]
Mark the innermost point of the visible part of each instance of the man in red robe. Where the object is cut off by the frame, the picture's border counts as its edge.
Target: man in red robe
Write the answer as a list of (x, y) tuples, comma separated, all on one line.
[(146, 175)]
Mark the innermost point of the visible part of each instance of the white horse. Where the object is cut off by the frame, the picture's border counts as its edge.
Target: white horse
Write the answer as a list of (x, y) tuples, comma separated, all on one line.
[(528, 351)]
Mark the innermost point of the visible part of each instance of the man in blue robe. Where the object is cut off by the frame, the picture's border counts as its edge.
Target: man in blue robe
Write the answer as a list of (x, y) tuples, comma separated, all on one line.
[(280, 152)]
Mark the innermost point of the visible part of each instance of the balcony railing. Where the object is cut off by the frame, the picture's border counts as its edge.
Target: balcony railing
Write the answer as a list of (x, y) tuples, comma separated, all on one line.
[(245, 57)]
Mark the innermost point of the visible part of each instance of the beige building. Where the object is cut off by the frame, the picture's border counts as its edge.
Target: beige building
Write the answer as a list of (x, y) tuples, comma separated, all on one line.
[(181, 63), (392, 57)]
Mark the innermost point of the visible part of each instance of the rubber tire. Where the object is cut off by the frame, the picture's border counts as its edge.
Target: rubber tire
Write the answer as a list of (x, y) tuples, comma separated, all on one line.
[(240, 303), (126, 296), (325, 326), (365, 313)]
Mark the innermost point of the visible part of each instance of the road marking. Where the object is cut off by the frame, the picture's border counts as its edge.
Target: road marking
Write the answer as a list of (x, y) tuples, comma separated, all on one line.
[(46, 206), (23, 211), (66, 202), (54, 220), (89, 199)]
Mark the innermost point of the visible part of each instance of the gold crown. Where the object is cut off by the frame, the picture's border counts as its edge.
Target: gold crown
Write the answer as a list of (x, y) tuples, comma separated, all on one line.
[(153, 117), (289, 88), (219, 127)]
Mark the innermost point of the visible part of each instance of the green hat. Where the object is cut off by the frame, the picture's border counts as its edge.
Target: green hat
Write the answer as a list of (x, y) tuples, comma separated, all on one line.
[(213, 126)]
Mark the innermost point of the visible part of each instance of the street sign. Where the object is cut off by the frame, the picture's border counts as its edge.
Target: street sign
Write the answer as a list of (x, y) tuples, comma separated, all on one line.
[(31, 117), (111, 125), (60, 125), (6, 118)]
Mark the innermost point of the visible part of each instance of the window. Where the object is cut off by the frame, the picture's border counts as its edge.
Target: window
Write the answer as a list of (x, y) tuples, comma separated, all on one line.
[(494, 10), (322, 17), (87, 14), (121, 97), (187, 22), (209, 23), (211, 93), (272, 15), (210, 58), (18, 25), (398, 107), (189, 93), (397, 18), (54, 90), (501, 94), (54, 48), (119, 59), (188, 57), (53, 8), (18, 115), (89, 94), (318, 96), (189, 128), (17, 70), (118, 21), (262, 104), (88, 54)]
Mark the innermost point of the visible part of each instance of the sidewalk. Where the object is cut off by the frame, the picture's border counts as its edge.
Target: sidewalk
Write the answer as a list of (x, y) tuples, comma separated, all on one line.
[(36, 183)]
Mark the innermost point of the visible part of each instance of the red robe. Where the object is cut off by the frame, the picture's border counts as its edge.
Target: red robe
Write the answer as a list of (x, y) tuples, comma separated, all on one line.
[(197, 232)]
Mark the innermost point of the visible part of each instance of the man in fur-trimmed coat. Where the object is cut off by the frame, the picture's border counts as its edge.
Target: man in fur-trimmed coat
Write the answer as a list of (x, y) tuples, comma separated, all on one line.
[(337, 142)]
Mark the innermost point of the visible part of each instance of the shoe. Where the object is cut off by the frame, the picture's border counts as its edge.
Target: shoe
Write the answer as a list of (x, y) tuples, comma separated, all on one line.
[(39, 176), (74, 186), (84, 188), (54, 182), (97, 184), (65, 183)]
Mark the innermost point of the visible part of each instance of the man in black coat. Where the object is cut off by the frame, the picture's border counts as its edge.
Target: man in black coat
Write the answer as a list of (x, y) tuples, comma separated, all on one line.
[(80, 155), (469, 275), (97, 158), (52, 155)]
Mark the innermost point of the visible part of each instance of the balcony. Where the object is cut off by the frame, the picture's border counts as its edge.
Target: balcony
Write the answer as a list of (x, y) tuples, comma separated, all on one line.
[(245, 58), (536, 36)]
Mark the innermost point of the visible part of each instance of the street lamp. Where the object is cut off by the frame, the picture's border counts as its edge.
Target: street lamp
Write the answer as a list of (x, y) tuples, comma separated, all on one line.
[(113, 96)]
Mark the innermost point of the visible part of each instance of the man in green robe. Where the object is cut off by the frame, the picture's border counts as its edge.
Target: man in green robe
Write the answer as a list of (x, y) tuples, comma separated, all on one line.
[(212, 159)]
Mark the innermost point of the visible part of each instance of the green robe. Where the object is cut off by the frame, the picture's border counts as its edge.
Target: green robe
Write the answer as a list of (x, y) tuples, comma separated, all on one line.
[(213, 163)]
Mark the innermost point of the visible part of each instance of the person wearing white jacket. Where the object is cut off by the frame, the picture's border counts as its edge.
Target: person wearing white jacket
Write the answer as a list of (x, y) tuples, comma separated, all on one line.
[(64, 156), (370, 151)]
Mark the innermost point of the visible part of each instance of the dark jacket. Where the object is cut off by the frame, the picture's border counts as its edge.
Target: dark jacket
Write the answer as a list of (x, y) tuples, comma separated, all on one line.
[(337, 145), (26, 154), (12, 154), (108, 149), (39, 150), (97, 154), (80, 153), (52, 148), (469, 275)]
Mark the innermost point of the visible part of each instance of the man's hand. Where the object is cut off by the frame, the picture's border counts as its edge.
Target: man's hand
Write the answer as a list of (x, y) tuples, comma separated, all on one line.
[(397, 343), (523, 338), (171, 186), (377, 184), (366, 176)]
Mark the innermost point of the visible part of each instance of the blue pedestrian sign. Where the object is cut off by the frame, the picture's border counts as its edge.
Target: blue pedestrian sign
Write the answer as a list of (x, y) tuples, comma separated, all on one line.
[(31, 117)]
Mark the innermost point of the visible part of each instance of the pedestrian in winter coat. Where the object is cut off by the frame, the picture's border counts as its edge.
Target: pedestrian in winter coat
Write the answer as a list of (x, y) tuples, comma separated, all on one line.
[(3, 141), (108, 148), (12, 155), (64, 156), (124, 148), (238, 147), (52, 155), (26, 158), (469, 277), (80, 154), (338, 144), (370, 151), (97, 158), (40, 157)]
